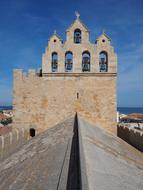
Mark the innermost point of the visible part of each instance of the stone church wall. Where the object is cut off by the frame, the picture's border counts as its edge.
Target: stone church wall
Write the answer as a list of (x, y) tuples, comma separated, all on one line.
[(42, 102)]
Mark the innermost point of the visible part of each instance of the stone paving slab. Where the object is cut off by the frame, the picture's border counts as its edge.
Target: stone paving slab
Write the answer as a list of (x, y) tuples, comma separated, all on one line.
[(110, 163), (106, 161), (42, 163)]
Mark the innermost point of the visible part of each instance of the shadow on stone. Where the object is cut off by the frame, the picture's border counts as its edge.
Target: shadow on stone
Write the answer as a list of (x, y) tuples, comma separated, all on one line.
[(74, 173)]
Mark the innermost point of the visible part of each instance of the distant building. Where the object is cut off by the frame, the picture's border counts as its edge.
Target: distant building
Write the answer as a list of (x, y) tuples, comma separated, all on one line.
[(76, 76), (131, 118)]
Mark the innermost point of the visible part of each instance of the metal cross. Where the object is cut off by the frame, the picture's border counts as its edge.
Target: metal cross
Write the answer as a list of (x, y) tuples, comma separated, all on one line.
[(55, 32), (77, 15), (103, 31)]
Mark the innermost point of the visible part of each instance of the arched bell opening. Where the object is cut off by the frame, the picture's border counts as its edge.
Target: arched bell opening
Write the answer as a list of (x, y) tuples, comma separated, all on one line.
[(68, 61), (103, 61), (54, 64), (86, 61), (77, 36)]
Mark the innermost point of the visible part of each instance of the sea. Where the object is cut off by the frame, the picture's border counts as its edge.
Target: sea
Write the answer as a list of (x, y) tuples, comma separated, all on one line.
[(128, 110), (124, 110), (5, 107)]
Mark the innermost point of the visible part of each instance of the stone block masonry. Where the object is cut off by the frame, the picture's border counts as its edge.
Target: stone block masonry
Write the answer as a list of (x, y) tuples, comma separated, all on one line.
[(42, 102)]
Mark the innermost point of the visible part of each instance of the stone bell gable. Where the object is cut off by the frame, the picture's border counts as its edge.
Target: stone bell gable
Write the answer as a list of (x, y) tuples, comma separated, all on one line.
[(103, 44), (80, 49), (77, 25), (77, 76)]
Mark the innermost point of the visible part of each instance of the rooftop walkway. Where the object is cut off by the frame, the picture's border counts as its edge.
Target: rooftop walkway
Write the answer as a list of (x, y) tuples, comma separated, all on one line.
[(73, 155)]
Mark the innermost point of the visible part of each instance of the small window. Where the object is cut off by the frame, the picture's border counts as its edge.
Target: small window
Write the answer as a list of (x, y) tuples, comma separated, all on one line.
[(32, 132), (86, 61), (68, 61), (54, 62), (77, 95), (77, 36), (103, 61)]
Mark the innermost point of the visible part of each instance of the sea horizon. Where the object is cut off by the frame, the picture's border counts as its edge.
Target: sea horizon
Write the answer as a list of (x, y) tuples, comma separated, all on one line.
[(124, 110)]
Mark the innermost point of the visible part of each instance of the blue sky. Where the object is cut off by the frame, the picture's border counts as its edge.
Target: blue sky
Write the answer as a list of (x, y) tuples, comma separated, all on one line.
[(26, 25)]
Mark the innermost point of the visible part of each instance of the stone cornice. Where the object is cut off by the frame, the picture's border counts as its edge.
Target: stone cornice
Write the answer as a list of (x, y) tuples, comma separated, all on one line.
[(79, 74)]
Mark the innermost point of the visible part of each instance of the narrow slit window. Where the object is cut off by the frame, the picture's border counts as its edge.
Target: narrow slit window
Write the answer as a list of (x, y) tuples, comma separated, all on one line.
[(77, 95)]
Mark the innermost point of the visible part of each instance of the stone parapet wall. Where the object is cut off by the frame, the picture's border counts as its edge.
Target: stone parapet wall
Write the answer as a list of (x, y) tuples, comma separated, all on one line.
[(107, 162), (20, 73), (12, 140), (132, 136)]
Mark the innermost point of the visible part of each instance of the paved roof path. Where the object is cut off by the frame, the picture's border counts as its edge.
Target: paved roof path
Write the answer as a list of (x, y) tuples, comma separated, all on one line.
[(106, 161), (111, 163), (41, 162)]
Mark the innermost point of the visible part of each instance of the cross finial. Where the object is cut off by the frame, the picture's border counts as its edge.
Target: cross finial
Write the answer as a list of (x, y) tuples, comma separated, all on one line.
[(77, 15), (103, 31), (55, 32)]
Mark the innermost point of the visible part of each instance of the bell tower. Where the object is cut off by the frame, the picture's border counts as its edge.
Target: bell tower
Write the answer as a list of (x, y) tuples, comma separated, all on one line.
[(77, 77)]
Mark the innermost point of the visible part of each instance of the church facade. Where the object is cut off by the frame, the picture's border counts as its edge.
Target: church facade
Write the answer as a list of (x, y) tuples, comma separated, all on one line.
[(76, 77)]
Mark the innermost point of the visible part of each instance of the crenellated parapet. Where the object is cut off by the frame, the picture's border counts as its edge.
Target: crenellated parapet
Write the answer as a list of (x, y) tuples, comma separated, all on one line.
[(131, 135), (130, 129), (13, 140), (21, 74)]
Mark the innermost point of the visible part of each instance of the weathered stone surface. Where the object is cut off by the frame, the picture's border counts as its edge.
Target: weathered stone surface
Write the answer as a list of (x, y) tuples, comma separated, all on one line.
[(52, 99), (42, 163), (131, 135), (12, 140), (110, 163), (69, 158)]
